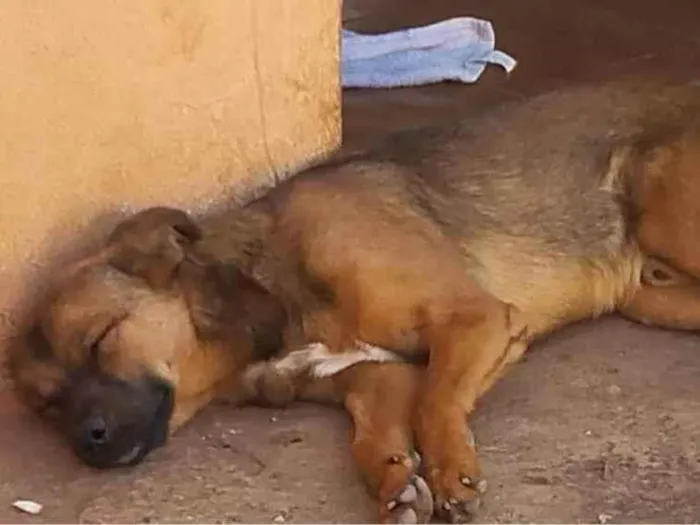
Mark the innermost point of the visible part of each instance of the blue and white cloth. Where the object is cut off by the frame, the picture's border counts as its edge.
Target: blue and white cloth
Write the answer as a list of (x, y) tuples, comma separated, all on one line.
[(458, 49)]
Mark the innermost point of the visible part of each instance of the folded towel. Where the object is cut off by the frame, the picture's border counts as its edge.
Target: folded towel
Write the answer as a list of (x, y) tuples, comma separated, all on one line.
[(458, 49)]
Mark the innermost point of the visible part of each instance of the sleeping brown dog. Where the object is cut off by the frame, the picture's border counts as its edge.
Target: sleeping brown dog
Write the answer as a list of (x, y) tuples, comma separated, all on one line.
[(451, 245)]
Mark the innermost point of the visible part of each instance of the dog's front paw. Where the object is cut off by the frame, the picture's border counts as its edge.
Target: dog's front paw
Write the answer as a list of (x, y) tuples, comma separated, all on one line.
[(403, 495), (457, 495)]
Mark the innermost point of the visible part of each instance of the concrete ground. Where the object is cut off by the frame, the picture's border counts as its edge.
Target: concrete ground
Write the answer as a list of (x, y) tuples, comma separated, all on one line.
[(598, 424)]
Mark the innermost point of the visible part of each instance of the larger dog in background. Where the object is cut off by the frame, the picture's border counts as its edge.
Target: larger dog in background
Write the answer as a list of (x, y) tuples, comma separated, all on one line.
[(458, 245)]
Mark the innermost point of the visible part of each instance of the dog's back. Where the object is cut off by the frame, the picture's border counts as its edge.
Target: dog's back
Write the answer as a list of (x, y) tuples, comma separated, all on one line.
[(531, 194)]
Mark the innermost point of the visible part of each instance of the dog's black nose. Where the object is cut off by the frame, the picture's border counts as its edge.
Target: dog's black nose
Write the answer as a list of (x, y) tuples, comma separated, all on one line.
[(96, 431)]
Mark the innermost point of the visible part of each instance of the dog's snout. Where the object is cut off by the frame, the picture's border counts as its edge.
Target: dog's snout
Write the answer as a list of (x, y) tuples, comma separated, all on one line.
[(96, 431), (115, 423)]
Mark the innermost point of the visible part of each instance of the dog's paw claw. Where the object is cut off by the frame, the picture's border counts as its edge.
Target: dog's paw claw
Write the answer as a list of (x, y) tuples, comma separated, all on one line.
[(413, 504), (407, 516), (408, 495), (480, 485), (416, 459)]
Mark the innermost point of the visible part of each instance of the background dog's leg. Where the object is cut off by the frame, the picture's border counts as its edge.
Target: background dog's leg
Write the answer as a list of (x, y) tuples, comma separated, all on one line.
[(380, 399), (667, 297), (468, 346), (675, 307)]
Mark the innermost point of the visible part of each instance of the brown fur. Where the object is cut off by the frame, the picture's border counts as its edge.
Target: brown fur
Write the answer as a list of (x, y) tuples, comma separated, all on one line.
[(460, 244)]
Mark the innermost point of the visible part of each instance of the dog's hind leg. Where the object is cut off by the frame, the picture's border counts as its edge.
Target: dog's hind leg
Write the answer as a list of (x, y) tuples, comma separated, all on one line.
[(674, 307), (304, 372), (380, 398)]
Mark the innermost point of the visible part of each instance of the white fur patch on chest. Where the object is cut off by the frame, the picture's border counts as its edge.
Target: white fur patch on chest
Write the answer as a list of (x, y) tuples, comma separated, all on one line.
[(319, 362)]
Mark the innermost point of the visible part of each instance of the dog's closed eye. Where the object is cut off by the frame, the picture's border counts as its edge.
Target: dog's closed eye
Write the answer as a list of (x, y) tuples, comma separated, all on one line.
[(93, 343)]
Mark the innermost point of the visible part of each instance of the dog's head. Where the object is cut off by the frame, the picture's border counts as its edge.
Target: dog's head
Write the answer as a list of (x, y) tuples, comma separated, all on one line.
[(126, 348)]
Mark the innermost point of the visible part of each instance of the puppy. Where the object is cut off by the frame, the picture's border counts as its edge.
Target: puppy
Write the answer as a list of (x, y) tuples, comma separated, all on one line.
[(449, 245)]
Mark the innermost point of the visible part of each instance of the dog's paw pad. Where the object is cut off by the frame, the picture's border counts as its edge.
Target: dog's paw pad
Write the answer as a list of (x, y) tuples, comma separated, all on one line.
[(412, 504), (405, 516), (459, 503), (459, 511)]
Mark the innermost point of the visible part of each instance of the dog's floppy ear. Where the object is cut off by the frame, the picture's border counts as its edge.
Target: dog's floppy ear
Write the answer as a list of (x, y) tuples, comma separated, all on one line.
[(152, 244)]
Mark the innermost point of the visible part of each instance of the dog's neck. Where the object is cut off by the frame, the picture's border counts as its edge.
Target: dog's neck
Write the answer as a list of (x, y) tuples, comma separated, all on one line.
[(225, 286), (236, 237), (228, 306)]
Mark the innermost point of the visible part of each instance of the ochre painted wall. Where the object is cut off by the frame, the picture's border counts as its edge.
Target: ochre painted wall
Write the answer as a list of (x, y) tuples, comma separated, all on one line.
[(108, 105)]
